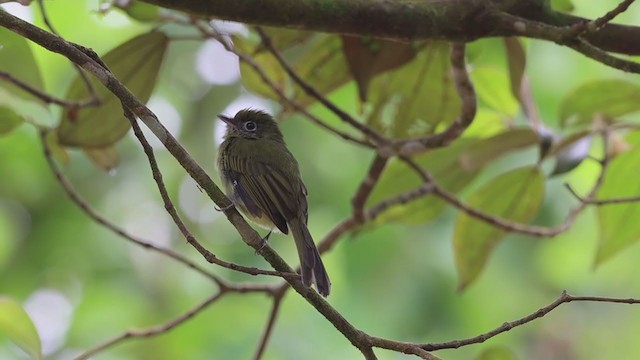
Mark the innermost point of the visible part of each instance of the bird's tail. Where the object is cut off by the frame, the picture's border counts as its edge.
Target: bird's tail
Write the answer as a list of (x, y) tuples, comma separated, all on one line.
[(311, 266)]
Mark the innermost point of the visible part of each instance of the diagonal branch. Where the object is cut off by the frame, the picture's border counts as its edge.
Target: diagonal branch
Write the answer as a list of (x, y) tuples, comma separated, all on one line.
[(132, 104), (563, 299)]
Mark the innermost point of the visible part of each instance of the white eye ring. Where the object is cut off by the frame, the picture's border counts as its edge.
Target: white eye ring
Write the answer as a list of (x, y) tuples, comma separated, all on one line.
[(250, 126)]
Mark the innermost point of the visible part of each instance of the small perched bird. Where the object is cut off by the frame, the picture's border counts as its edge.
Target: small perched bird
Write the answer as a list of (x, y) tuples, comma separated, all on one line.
[(262, 179)]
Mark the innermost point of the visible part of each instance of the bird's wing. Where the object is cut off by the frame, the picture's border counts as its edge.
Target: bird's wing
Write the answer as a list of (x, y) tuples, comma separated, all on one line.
[(264, 188)]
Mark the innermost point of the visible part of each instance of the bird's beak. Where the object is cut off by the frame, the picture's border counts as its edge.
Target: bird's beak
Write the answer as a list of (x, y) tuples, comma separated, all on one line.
[(226, 119)]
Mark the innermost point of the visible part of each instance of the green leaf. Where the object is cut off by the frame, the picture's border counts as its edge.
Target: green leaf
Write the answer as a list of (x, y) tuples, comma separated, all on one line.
[(105, 158), (516, 196), (323, 65), (497, 353), (319, 60), (611, 98), (481, 153), (9, 120), (136, 64), (562, 5), (16, 58), (269, 65), (368, 57), (17, 326), (398, 178), (140, 11), (417, 98), (617, 222), (492, 87)]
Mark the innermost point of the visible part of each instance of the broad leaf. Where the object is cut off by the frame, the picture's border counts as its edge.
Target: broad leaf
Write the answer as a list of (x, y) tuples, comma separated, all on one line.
[(492, 87), (611, 98), (17, 326), (562, 5), (481, 153), (9, 120), (416, 99), (516, 196), (368, 57), (136, 64), (251, 79), (139, 10), (16, 58), (617, 222)]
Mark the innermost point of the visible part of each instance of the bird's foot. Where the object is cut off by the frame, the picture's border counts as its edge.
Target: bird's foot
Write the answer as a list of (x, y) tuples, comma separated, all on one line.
[(265, 240)]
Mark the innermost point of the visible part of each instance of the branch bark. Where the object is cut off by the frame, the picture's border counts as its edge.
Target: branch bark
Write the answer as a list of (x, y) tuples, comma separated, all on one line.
[(452, 20)]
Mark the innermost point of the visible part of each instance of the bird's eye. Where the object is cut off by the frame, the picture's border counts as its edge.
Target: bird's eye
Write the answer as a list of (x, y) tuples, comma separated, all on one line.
[(250, 126)]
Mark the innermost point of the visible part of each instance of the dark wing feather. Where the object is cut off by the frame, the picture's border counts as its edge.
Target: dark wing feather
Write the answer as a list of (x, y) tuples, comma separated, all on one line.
[(265, 189)]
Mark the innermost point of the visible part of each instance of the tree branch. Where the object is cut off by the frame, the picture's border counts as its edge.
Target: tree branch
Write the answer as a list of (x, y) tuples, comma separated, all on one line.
[(563, 299), (130, 102), (452, 20)]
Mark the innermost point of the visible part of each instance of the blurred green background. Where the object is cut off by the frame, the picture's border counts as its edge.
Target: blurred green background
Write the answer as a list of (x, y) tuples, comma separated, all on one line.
[(82, 285)]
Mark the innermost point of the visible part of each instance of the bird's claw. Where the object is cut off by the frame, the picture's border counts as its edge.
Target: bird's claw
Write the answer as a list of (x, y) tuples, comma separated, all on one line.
[(265, 240)]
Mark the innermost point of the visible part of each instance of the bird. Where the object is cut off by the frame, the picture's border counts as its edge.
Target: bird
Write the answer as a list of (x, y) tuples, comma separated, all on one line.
[(262, 179)]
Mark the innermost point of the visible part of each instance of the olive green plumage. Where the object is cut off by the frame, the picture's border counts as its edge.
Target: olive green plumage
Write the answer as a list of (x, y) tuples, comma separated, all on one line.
[(262, 179)]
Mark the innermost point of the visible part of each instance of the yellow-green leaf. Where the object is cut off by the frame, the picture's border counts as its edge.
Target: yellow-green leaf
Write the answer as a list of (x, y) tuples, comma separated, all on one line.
[(17, 326), (516, 195), (9, 120), (611, 98), (136, 64), (617, 222), (417, 98), (368, 57), (562, 5), (479, 154), (16, 58), (140, 11), (492, 87), (105, 158)]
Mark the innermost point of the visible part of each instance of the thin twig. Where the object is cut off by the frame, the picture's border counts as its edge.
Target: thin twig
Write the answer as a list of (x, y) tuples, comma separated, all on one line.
[(152, 331), (49, 99), (310, 90), (508, 225), (208, 32), (170, 208), (273, 314), (564, 298), (366, 186), (600, 202), (93, 214), (580, 28), (93, 99)]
